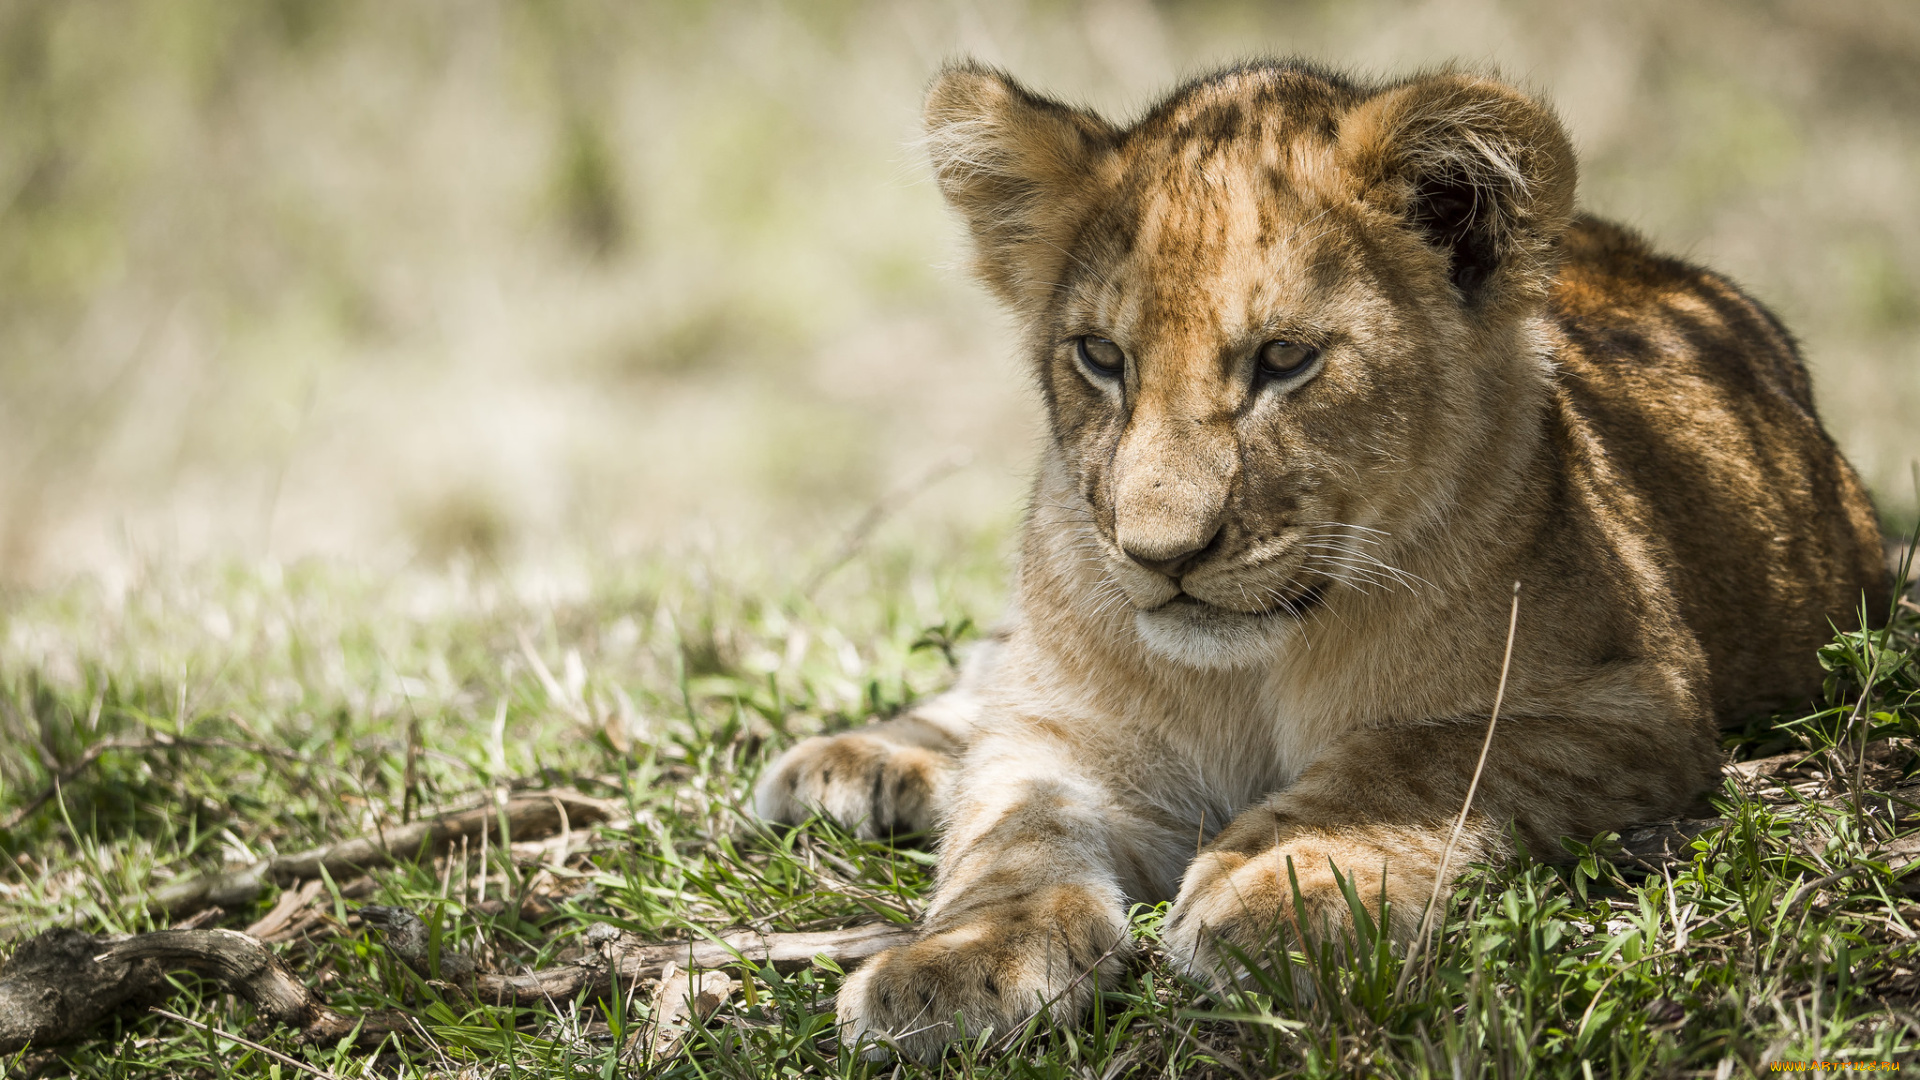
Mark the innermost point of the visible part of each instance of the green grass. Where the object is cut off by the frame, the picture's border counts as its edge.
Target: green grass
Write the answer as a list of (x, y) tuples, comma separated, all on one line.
[(1786, 937)]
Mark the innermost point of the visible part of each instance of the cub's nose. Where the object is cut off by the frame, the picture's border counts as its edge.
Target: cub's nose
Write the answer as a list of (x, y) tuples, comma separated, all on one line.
[(1162, 561)]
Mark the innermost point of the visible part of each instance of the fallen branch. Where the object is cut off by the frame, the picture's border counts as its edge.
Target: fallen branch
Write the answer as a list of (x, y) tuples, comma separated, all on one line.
[(626, 961), (59, 986), (52, 991), (526, 816), (62, 984), (250, 971)]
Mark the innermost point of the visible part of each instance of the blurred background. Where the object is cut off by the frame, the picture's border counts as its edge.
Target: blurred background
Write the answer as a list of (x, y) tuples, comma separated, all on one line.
[(491, 280)]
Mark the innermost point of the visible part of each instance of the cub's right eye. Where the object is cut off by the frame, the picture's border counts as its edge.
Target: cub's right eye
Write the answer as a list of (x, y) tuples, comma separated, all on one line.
[(1101, 357)]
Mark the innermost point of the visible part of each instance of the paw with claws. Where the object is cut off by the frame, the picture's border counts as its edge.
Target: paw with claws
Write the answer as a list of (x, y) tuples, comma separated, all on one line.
[(996, 967), (877, 782), (1240, 902)]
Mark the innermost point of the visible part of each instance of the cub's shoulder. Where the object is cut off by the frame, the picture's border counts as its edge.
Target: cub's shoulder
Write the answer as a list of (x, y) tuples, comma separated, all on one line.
[(1714, 458), (1620, 303)]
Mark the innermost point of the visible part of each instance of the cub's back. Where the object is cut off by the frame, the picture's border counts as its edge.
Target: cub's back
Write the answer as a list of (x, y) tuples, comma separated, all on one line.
[(1705, 413)]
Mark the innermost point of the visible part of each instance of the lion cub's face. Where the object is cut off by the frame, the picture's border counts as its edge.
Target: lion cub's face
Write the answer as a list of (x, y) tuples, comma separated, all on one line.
[(1275, 321)]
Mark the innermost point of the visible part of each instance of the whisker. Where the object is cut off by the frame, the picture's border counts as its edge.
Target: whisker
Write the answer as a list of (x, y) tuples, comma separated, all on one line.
[(1373, 569)]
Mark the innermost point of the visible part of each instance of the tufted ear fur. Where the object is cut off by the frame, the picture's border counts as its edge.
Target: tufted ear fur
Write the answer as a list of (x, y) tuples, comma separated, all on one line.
[(1477, 169), (1017, 166)]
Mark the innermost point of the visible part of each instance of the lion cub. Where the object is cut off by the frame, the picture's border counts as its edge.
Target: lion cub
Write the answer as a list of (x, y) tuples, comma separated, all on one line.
[(1328, 367)]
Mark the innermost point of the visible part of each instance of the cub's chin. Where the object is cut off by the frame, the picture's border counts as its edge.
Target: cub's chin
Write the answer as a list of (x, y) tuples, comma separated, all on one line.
[(1200, 635)]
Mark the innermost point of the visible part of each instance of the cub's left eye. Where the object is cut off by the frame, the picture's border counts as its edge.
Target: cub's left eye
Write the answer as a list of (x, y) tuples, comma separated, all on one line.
[(1279, 359), (1101, 357)]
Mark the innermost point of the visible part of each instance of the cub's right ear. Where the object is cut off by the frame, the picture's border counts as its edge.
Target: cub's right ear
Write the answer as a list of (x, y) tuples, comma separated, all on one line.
[(1020, 168)]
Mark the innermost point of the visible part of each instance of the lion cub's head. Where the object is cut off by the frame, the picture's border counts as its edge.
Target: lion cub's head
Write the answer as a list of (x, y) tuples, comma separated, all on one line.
[(1281, 323)]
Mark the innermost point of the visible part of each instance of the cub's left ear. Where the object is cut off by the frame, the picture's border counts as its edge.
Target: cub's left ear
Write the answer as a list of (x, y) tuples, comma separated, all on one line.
[(1479, 170)]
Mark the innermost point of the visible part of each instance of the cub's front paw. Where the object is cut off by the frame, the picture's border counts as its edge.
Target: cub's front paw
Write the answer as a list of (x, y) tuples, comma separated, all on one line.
[(868, 784), (998, 968), (1236, 908)]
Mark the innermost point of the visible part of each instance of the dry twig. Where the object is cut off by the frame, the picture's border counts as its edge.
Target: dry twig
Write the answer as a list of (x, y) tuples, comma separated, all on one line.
[(534, 814)]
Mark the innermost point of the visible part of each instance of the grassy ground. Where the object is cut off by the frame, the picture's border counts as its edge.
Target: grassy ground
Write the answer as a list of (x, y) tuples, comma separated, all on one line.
[(665, 686)]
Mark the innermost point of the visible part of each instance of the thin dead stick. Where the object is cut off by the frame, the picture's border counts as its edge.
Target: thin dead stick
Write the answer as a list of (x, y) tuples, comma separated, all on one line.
[(92, 755), (629, 962), (248, 1043), (882, 509), (1811, 889), (1466, 805)]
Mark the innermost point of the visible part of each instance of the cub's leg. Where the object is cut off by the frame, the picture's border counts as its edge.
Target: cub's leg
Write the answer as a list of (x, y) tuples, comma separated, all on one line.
[(1379, 807), (1029, 911)]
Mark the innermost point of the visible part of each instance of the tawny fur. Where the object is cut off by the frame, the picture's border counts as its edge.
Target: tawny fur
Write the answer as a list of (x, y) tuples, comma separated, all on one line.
[(1268, 609)]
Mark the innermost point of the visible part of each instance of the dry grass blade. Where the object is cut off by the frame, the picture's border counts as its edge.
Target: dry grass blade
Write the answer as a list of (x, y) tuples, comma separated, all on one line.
[(1466, 805), (877, 514), (276, 1055)]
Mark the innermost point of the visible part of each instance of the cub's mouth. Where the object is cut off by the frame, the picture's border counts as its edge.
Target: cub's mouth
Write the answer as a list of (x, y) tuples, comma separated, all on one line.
[(1295, 605), (1196, 633)]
